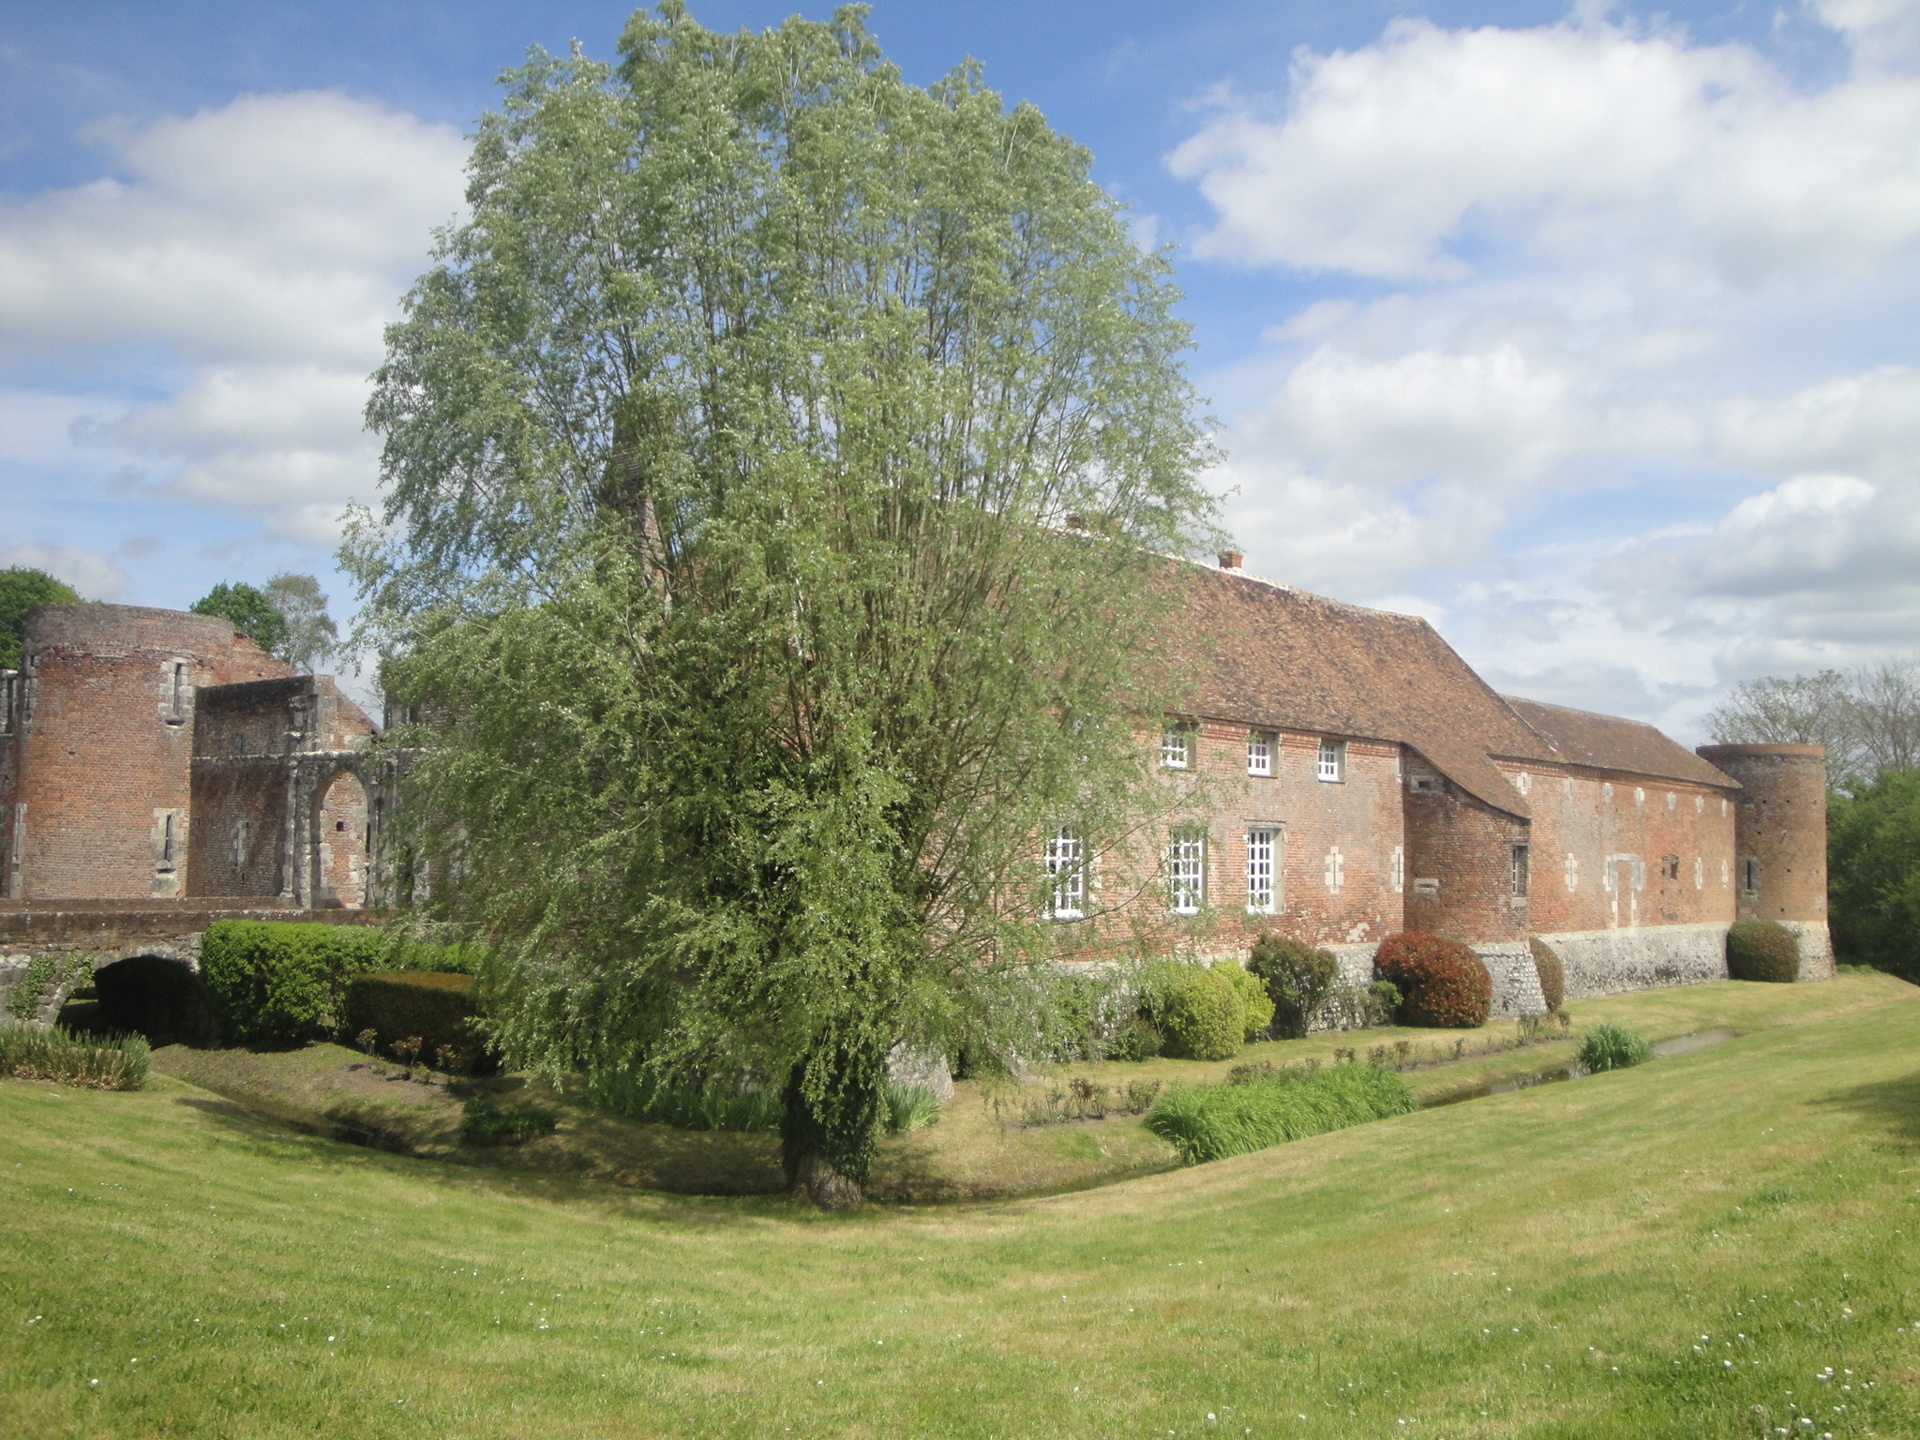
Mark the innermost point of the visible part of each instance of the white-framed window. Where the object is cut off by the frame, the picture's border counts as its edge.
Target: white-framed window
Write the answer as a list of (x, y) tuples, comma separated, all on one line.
[(1176, 746), (1397, 869), (1333, 760), (1263, 869), (1260, 752), (1518, 872), (1067, 869), (1187, 871)]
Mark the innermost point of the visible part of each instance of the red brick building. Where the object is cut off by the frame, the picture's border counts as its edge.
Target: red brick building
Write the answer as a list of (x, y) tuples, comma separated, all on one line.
[(159, 756), (1336, 774), (1341, 773)]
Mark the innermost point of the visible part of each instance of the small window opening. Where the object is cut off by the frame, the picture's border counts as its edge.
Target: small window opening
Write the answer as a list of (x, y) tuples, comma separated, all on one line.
[(1332, 761), (1750, 875), (1066, 866), (1670, 867), (1259, 753), (1519, 872), (1260, 871), (177, 693), (1176, 747)]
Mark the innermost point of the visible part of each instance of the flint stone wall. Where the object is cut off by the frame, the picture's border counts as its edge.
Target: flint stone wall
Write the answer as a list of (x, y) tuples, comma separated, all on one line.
[(1611, 962)]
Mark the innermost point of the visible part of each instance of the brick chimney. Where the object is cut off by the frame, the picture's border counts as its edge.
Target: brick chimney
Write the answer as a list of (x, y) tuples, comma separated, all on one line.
[(1231, 559)]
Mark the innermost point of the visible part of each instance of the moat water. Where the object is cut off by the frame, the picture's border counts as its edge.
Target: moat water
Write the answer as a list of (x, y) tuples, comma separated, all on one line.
[(1663, 1050)]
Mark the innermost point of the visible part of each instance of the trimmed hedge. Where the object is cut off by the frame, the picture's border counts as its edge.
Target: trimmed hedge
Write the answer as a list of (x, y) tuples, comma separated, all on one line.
[(1198, 1009), (1211, 1122), (1763, 950), (277, 982), (1553, 975), (1444, 984), (436, 1007), (1300, 979)]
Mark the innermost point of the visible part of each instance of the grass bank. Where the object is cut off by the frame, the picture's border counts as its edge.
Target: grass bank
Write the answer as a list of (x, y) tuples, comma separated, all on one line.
[(1680, 1249)]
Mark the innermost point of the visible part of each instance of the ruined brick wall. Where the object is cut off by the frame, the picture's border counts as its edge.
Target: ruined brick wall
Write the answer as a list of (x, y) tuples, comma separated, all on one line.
[(1460, 852), (103, 746)]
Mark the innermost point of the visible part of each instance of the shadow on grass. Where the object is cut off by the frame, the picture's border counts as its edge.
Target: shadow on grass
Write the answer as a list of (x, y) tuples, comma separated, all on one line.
[(1894, 1103)]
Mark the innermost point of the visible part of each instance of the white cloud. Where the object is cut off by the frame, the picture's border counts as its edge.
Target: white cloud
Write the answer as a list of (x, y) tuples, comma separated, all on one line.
[(256, 250), (1583, 140), (1640, 405), (95, 576)]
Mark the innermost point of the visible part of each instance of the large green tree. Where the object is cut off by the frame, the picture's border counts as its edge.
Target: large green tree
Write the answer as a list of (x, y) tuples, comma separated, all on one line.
[(777, 463), (246, 608), (1873, 872), (22, 588)]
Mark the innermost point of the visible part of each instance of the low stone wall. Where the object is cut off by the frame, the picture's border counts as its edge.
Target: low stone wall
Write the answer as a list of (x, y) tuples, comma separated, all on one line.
[(1516, 980), (1653, 957)]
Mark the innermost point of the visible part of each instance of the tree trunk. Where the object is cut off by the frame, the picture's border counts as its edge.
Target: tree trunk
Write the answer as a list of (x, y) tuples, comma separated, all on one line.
[(828, 1136)]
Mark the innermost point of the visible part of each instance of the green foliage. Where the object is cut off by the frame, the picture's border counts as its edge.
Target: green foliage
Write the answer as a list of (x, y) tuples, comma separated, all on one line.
[(911, 1107), (1077, 1014), (1211, 1122), (436, 1008), (1256, 1006), (1197, 1008), (22, 588), (485, 1121), (1300, 979), (1553, 974), (1136, 1040), (1873, 873), (310, 634), (728, 450), (1611, 1047), (95, 1062), (31, 988), (275, 982), (714, 1105), (248, 610), (1444, 983), (1763, 950)]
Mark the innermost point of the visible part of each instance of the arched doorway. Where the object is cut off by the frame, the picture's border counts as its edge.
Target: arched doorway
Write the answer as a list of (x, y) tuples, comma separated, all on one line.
[(155, 996), (342, 857)]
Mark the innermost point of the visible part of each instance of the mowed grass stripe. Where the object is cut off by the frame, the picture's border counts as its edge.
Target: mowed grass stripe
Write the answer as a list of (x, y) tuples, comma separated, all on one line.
[(1349, 1277)]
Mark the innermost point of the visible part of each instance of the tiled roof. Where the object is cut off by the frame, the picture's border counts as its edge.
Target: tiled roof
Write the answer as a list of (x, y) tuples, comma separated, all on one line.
[(1606, 742), (1275, 656)]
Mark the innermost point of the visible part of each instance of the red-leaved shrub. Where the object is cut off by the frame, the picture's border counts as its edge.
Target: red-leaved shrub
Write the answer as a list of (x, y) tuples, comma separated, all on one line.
[(1443, 982)]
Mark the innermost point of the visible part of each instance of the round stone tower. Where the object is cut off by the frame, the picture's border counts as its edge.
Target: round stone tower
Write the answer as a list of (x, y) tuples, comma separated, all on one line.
[(1780, 842)]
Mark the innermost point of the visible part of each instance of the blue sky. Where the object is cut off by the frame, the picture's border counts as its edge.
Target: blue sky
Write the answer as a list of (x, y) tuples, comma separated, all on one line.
[(1588, 333)]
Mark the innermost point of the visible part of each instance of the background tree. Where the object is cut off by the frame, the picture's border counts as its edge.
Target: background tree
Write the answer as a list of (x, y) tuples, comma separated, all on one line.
[(731, 449), (1868, 718), (248, 610), (311, 635), (21, 589), (1873, 872)]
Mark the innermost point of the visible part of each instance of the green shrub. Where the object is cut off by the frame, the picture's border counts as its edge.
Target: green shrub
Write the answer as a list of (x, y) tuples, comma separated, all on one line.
[(1076, 1013), (1873, 872), (1256, 1006), (1136, 1040), (1300, 979), (1197, 1009), (436, 1007), (1610, 1047), (276, 982), (96, 1062), (1210, 1122), (1763, 950), (485, 1121), (31, 988), (1444, 983), (717, 1105), (1553, 975)]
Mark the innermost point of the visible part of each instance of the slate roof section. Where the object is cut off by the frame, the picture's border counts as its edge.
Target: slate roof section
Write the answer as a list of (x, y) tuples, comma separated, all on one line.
[(1606, 742), (1282, 658)]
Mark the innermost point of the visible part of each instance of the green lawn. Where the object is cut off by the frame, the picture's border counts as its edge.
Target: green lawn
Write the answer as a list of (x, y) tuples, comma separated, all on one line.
[(1653, 1252)]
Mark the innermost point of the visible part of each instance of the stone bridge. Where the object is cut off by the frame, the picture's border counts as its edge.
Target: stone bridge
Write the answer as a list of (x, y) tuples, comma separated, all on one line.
[(142, 957)]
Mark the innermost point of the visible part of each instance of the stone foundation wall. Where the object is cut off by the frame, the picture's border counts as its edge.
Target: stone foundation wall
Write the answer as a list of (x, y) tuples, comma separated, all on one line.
[(1609, 962)]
